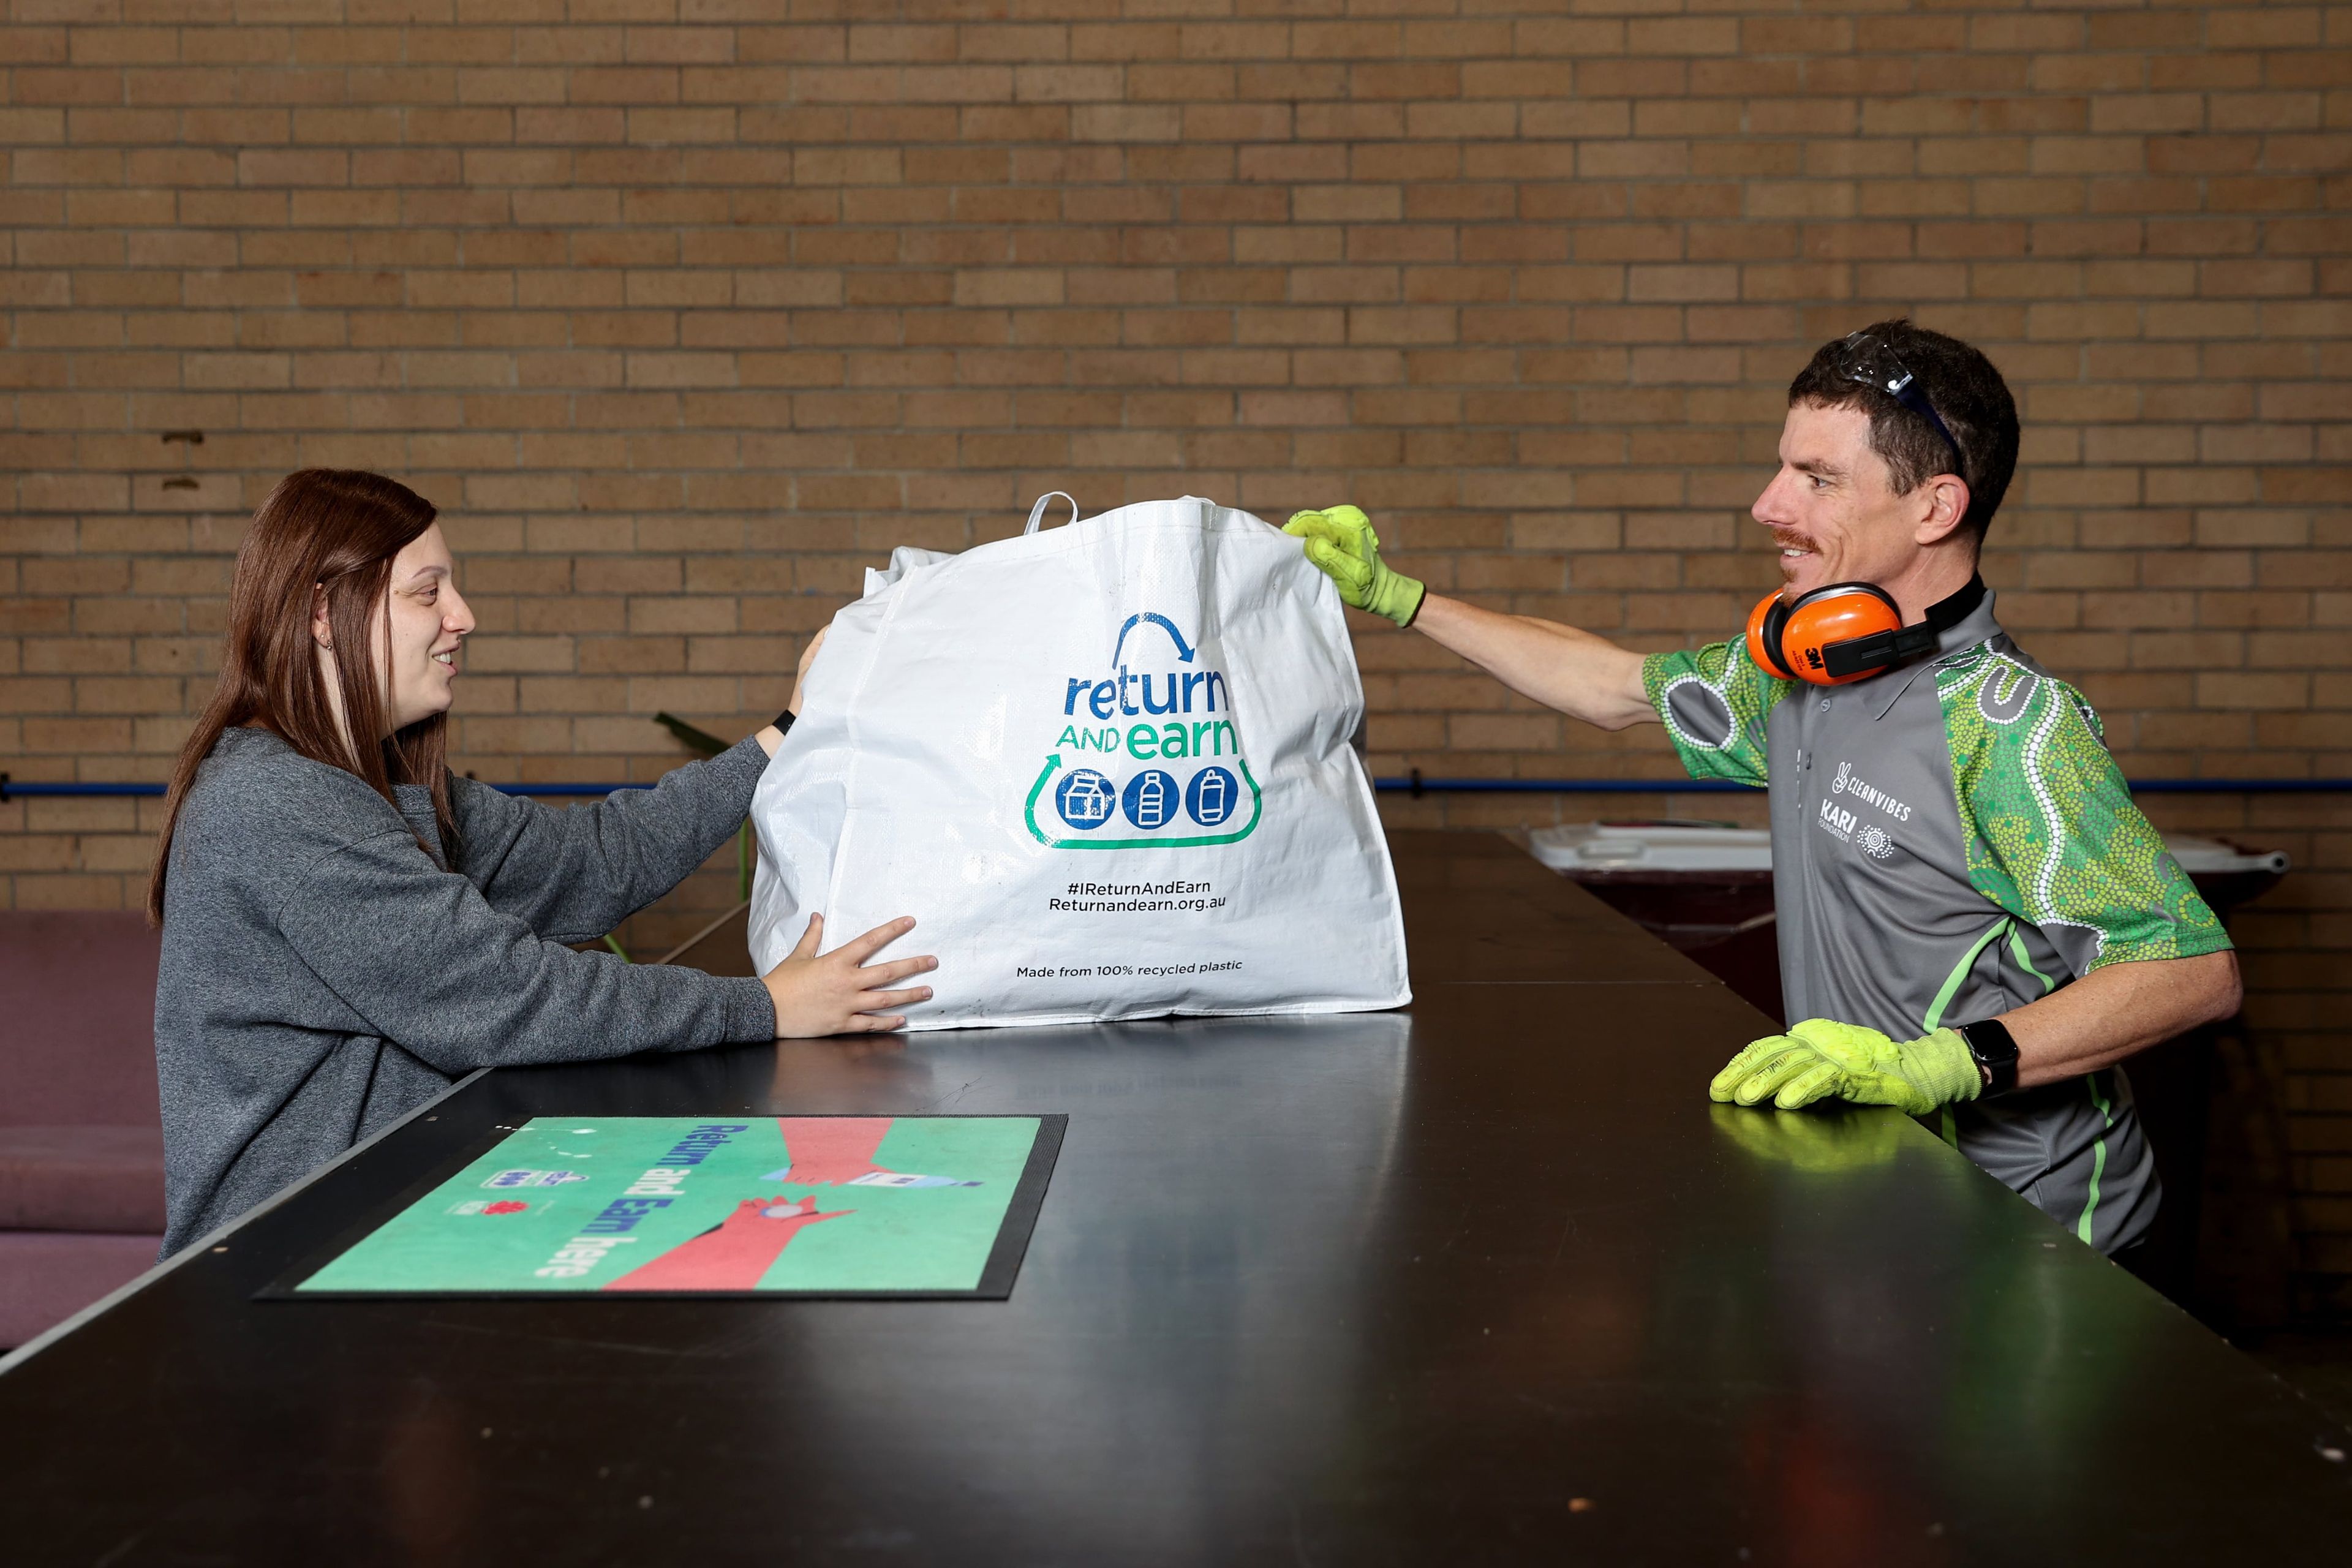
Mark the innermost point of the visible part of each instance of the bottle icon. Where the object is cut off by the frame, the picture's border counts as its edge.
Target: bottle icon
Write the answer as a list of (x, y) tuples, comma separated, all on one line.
[(1150, 799)]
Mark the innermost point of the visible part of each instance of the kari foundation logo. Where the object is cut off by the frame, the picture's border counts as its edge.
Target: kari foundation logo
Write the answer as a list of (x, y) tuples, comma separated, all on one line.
[(1840, 824)]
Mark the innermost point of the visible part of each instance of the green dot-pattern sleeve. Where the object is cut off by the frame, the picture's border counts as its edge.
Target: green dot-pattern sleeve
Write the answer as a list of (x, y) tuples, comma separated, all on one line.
[(2053, 835), (1713, 702)]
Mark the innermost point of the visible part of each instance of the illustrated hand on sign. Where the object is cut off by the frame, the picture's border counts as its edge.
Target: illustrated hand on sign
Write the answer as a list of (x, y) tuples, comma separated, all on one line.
[(1820, 1058), (1339, 540)]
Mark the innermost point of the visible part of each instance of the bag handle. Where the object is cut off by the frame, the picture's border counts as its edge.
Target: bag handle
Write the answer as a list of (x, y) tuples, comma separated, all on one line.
[(1037, 512)]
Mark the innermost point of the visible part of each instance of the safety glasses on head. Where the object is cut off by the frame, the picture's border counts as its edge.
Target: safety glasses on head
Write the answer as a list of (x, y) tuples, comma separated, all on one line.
[(1868, 360)]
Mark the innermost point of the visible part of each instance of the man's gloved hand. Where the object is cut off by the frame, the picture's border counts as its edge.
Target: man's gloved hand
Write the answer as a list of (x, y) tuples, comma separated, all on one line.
[(1818, 1059), (1340, 540)]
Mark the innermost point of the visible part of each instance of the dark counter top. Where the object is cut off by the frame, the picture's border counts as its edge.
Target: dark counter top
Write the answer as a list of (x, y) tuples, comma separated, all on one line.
[(1484, 1282)]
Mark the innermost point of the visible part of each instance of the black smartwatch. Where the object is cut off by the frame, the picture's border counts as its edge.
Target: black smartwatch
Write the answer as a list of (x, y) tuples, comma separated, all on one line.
[(783, 722), (1995, 1051)]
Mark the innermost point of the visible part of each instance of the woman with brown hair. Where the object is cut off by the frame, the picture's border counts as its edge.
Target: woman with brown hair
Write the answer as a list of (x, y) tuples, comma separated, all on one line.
[(347, 927)]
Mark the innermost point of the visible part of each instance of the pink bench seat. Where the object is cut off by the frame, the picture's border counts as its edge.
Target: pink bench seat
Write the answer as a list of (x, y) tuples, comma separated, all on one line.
[(82, 1141), (101, 1178)]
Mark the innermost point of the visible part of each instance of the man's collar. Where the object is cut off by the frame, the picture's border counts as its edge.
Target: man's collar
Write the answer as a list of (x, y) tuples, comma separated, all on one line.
[(1977, 626), (1970, 630)]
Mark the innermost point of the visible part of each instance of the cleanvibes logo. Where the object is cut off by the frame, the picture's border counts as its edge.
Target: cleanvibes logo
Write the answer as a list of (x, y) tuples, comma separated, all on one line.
[(1148, 756)]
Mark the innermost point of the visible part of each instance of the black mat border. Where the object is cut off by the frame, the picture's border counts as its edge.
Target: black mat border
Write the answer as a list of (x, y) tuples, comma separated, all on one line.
[(996, 1276)]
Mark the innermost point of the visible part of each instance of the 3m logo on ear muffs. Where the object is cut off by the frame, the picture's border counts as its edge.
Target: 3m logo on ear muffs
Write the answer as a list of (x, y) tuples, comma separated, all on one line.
[(1844, 632)]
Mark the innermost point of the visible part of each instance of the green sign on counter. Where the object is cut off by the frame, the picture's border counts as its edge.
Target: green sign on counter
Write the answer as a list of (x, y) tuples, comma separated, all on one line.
[(762, 1206)]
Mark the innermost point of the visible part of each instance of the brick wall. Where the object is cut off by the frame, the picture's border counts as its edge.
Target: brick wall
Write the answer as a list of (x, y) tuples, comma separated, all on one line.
[(684, 311)]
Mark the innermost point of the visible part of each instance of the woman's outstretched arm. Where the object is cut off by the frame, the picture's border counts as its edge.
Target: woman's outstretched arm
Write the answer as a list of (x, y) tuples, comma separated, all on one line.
[(573, 875), (421, 958)]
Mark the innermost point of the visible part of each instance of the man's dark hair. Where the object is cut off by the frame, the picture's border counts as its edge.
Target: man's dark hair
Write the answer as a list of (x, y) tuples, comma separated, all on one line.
[(1967, 393)]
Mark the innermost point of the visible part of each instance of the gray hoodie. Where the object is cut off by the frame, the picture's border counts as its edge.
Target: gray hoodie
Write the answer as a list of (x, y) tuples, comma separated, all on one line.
[(323, 974)]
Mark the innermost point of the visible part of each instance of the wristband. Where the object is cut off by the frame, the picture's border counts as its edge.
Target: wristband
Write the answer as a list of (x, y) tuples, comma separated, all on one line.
[(783, 722), (1995, 1051)]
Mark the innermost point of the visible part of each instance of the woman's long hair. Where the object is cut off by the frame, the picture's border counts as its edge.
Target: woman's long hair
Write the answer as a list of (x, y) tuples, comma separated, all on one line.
[(338, 529)]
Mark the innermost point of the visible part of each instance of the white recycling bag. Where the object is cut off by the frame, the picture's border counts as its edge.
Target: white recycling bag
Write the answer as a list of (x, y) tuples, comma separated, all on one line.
[(1106, 767)]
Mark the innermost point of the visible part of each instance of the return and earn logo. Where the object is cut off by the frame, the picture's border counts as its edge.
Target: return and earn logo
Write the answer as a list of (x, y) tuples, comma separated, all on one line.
[(1146, 721)]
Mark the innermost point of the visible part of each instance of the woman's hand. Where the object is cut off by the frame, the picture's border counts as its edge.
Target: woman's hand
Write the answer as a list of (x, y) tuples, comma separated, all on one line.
[(834, 995), (800, 674), (770, 738)]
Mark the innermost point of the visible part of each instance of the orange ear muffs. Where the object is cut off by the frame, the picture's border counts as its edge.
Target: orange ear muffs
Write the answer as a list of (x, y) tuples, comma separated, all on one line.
[(1764, 623), (1840, 633)]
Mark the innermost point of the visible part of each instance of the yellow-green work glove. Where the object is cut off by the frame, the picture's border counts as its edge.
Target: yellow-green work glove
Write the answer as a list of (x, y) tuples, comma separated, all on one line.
[(1820, 1058), (1340, 540)]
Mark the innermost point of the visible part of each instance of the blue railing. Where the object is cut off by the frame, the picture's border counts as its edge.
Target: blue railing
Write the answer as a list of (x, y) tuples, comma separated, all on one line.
[(1415, 785)]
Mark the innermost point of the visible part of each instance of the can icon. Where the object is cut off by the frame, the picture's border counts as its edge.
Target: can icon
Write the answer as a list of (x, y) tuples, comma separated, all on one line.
[(1210, 796)]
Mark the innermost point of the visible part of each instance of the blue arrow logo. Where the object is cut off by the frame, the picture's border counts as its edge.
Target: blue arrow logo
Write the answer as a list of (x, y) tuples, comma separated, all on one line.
[(1184, 652)]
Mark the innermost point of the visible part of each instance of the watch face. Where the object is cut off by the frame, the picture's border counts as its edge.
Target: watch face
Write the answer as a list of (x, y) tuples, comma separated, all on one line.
[(1993, 1045), (1994, 1049)]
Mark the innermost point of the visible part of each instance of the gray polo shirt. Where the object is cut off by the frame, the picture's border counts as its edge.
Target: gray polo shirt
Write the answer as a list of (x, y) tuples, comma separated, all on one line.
[(1951, 840)]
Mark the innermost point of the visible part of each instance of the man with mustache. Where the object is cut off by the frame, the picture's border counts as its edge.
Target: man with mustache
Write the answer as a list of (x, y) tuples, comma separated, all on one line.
[(1977, 924)]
